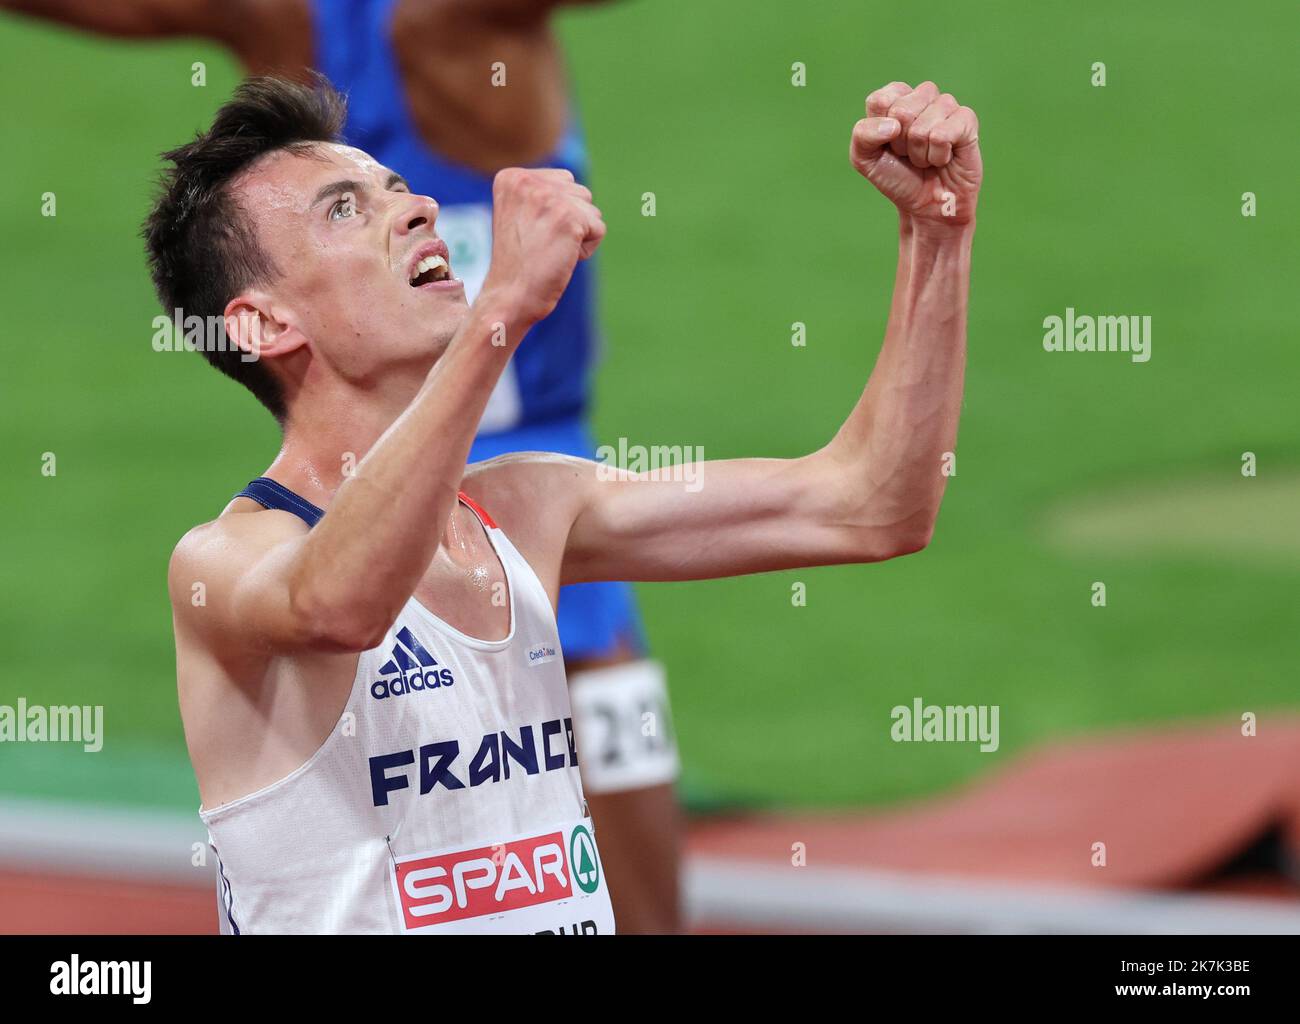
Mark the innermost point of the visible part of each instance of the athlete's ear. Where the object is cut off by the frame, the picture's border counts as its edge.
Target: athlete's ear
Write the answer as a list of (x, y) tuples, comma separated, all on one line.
[(260, 328)]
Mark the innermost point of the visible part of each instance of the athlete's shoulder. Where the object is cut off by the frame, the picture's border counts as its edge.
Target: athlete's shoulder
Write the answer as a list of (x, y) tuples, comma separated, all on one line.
[(525, 492), (241, 535), (515, 474)]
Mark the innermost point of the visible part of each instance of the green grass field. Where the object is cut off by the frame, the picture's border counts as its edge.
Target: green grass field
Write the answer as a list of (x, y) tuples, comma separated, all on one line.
[(1118, 200)]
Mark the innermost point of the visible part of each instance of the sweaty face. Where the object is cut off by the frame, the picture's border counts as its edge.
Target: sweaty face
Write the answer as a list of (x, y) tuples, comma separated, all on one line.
[(363, 274)]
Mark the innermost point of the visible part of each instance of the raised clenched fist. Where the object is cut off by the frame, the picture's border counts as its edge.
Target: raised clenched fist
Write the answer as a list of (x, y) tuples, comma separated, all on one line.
[(543, 222), (920, 148)]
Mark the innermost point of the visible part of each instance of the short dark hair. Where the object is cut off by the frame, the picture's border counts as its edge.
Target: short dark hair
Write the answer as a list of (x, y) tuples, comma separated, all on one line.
[(202, 247)]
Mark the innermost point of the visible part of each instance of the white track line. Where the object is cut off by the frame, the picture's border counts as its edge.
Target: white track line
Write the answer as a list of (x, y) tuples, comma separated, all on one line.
[(160, 846), (758, 895), (97, 840)]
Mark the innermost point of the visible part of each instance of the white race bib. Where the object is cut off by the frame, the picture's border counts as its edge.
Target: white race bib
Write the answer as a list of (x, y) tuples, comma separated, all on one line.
[(551, 881), (625, 736)]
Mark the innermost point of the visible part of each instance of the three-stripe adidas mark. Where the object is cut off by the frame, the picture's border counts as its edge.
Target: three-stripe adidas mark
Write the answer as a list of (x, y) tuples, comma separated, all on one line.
[(414, 667)]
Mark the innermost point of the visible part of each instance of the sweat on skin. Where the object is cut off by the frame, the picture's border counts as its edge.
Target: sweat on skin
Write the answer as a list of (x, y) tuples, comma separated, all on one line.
[(399, 371)]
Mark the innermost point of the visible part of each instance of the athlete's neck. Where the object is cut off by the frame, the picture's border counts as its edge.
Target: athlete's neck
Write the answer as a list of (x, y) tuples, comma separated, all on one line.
[(330, 428)]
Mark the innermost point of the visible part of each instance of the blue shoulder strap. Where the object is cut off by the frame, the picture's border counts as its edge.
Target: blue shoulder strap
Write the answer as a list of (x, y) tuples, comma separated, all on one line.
[(267, 493)]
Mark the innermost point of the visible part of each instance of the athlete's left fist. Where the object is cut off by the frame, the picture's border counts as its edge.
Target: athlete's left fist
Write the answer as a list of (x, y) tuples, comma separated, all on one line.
[(920, 148)]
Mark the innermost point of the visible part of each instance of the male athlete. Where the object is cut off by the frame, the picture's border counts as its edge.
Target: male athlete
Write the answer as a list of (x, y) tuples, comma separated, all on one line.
[(371, 689), (451, 91)]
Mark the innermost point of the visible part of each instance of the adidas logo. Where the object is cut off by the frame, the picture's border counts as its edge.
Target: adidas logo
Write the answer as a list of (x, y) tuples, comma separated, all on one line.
[(414, 668)]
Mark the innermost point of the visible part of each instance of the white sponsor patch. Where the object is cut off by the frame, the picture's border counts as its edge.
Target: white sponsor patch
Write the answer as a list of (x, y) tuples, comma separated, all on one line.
[(542, 653)]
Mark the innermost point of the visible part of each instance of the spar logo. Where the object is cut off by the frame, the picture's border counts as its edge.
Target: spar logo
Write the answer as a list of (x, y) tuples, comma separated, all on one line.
[(413, 667), (582, 855), (490, 881)]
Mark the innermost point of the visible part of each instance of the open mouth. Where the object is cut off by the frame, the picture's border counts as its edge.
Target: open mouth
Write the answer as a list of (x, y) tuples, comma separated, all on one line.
[(431, 268)]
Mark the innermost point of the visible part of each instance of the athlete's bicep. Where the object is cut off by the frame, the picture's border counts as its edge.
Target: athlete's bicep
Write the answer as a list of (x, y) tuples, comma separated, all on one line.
[(704, 520), (231, 583)]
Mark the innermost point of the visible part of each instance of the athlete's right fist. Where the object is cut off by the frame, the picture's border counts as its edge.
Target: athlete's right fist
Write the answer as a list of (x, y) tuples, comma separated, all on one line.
[(543, 222), (920, 148)]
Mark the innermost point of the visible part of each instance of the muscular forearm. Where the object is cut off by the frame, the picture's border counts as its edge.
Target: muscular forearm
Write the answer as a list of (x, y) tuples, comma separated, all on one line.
[(268, 36), (889, 455), (127, 17), (873, 492), (362, 562)]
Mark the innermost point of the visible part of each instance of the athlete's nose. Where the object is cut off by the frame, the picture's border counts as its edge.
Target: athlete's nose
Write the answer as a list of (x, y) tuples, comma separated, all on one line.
[(421, 212)]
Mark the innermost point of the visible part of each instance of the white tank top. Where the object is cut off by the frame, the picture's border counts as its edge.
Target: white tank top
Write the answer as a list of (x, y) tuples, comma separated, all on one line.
[(445, 800)]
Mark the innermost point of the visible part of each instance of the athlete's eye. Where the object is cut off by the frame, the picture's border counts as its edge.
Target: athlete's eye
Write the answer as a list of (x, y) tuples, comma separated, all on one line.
[(344, 208)]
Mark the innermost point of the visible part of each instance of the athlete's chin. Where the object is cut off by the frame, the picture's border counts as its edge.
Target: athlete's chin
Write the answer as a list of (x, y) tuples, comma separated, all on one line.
[(439, 341), (423, 326), (445, 304)]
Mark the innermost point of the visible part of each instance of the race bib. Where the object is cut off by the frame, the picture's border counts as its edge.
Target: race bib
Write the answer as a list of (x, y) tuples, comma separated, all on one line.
[(625, 735), (551, 882)]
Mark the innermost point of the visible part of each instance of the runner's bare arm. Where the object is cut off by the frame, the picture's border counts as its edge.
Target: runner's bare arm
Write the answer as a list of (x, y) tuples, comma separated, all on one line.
[(223, 20), (447, 50), (131, 17), (266, 35), (874, 491), (340, 586)]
